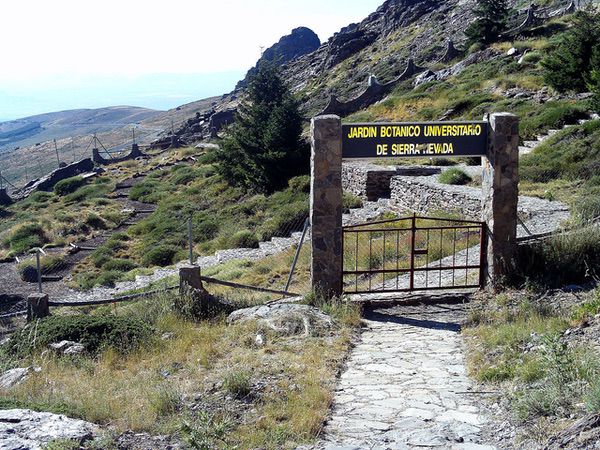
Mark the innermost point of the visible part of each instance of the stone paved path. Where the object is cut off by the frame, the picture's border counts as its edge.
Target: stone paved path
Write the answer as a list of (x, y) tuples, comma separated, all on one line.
[(405, 385)]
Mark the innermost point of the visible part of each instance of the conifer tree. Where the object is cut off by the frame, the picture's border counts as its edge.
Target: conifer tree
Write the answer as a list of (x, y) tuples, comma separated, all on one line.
[(263, 148), (490, 23), (573, 64)]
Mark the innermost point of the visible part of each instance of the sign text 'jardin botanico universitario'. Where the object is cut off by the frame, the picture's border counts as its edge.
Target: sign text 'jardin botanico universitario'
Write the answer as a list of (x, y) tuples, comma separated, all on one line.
[(431, 139)]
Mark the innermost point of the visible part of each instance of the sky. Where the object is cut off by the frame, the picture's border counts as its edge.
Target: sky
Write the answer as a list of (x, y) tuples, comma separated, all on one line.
[(64, 54)]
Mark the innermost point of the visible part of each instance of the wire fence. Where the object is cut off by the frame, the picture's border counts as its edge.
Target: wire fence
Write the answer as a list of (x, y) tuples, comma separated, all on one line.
[(16, 171)]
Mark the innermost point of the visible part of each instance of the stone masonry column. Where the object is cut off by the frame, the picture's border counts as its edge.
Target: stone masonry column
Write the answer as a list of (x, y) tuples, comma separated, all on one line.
[(326, 204), (500, 196)]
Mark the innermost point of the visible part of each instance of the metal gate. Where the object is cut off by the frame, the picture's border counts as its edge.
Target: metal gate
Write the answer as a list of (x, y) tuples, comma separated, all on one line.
[(413, 254)]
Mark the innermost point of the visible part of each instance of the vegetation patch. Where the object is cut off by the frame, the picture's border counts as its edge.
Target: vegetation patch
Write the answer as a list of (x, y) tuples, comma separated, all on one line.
[(68, 185), (95, 332), (455, 176)]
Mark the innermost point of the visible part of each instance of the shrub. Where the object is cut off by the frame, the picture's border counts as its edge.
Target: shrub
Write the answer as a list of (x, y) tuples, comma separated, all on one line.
[(48, 264), (95, 221), (119, 265), (95, 332), (68, 185), (568, 258), (289, 219), (455, 176), (351, 201), (183, 175), (244, 239), (159, 256), (205, 229), (237, 382), (587, 207), (27, 236), (300, 184), (88, 192), (108, 278)]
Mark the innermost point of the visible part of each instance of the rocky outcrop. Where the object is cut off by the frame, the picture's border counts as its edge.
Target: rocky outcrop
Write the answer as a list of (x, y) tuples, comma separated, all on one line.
[(375, 91), (14, 377), (286, 319), (47, 182), (24, 429), (300, 42), (5, 199)]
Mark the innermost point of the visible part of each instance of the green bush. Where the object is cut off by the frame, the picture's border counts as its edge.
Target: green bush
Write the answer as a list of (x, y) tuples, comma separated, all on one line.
[(587, 207), (300, 184), (159, 256), (68, 186), (48, 264), (288, 219), (107, 278), (88, 192), (95, 221), (237, 382), (455, 176), (572, 257), (119, 265), (95, 332), (26, 237), (351, 201), (244, 239)]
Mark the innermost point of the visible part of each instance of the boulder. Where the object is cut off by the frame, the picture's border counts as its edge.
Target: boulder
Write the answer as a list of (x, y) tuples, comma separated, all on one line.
[(14, 377), (67, 347), (25, 429), (286, 319)]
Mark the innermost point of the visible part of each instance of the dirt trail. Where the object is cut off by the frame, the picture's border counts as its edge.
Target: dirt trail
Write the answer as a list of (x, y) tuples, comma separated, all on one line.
[(14, 291)]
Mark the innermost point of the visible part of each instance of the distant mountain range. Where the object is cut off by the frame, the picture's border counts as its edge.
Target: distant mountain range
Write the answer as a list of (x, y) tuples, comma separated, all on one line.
[(62, 124)]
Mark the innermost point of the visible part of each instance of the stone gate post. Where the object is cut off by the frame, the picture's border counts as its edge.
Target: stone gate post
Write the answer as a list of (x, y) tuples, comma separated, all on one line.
[(500, 196), (326, 204)]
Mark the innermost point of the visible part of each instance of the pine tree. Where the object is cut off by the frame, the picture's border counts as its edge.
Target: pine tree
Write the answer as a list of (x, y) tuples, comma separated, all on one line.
[(571, 65), (263, 148), (490, 23)]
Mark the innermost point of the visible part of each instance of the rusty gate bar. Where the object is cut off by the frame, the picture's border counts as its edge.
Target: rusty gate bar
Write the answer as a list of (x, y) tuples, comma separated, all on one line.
[(368, 266)]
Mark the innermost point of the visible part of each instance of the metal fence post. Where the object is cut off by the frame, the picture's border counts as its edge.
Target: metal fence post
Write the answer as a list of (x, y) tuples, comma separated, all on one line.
[(298, 250)]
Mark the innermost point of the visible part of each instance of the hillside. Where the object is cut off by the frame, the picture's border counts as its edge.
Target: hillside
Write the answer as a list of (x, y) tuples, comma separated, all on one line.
[(62, 124), (517, 367)]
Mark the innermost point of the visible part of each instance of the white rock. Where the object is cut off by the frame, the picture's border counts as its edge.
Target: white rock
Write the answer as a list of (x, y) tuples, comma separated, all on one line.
[(14, 377), (67, 347), (25, 429), (513, 51)]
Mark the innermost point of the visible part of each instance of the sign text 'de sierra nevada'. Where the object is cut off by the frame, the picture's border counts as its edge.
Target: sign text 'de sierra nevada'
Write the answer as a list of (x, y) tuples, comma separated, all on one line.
[(431, 139)]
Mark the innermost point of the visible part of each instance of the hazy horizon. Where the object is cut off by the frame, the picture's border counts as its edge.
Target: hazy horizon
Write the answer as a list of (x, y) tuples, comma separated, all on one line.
[(143, 54)]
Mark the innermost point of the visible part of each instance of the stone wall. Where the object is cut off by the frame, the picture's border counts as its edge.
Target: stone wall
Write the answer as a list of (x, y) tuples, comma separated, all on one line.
[(371, 182), (422, 195)]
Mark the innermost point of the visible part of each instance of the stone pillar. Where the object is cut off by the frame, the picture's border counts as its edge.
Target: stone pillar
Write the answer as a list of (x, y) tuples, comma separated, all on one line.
[(326, 204), (189, 278), (37, 307), (500, 196)]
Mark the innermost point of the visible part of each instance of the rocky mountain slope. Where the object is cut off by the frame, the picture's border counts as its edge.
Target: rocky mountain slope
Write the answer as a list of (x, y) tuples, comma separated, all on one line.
[(58, 125), (380, 45)]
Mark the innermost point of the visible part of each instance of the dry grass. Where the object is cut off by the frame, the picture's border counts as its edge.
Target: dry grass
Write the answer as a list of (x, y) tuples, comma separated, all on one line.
[(290, 380)]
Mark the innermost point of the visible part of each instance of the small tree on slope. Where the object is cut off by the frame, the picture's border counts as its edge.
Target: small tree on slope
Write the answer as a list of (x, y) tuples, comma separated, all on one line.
[(490, 23), (573, 64), (263, 148)]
